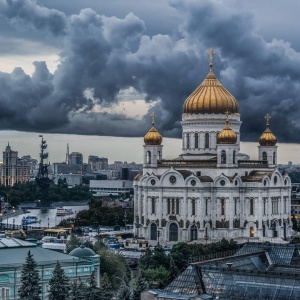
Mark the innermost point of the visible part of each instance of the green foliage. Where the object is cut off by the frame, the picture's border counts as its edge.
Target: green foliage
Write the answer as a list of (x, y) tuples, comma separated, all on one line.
[(173, 270), (155, 259), (157, 277), (140, 286), (30, 288), (113, 265), (106, 288), (59, 284), (124, 293), (72, 243), (77, 291)]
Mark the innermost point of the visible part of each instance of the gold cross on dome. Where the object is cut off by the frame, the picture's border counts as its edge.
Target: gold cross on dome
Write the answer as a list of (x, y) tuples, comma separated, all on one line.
[(267, 117), (227, 113), (211, 53), (153, 118)]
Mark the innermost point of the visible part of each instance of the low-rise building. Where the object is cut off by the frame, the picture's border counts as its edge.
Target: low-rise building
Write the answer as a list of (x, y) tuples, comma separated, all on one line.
[(111, 187), (13, 252)]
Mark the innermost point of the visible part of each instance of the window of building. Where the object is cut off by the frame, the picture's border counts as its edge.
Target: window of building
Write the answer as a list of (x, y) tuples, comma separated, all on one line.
[(206, 206), (177, 206), (274, 158), (173, 206), (169, 205), (233, 157), (264, 156), (187, 141), (235, 204), (251, 207), (193, 207), (4, 293), (206, 140), (153, 205), (223, 157), (196, 141), (148, 157), (223, 207), (265, 200)]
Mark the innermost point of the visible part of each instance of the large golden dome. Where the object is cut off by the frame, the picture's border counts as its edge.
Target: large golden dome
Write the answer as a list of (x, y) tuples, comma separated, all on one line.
[(227, 135), (267, 138), (210, 97)]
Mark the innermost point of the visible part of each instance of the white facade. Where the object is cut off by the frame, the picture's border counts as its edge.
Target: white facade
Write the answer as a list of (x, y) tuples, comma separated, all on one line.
[(110, 187), (211, 190)]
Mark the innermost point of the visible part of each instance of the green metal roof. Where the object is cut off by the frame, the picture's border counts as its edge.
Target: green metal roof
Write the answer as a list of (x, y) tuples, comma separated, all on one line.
[(15, 257)]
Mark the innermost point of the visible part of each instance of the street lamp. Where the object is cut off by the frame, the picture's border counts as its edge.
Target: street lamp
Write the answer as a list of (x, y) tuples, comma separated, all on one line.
[(48, 222), (13, 223)]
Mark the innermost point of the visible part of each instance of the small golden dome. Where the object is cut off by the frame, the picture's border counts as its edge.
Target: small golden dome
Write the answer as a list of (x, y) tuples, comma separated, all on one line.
[(267, 138), (227, 135), (153, 137), (210, 97)]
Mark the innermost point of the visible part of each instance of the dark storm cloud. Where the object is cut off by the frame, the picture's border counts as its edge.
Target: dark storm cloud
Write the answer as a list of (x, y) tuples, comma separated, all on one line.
[(106, 55)]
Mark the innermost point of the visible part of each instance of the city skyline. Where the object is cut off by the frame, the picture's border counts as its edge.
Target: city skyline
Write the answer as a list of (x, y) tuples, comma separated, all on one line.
[(99, 69), (27, 143)]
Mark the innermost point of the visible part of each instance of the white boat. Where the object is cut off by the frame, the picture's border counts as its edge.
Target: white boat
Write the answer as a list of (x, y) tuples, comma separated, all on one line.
[(64, 211)]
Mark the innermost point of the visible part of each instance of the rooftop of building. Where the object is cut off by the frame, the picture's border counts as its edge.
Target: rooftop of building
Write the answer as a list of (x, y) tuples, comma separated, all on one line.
[(13, 253)]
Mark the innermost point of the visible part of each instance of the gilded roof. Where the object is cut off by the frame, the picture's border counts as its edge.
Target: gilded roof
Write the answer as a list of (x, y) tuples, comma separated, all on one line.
[(210, 97), (153, 137), (267, 138), (227, 135)]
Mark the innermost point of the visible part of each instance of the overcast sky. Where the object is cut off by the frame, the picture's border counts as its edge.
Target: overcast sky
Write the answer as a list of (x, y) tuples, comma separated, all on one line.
[(101, 67)]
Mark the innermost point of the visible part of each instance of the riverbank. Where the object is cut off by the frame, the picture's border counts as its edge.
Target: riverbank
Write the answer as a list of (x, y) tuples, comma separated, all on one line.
[(12, 214)]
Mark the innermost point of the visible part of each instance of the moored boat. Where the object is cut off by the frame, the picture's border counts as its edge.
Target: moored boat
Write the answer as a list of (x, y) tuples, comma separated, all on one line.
[(64, 211), (29, 220)]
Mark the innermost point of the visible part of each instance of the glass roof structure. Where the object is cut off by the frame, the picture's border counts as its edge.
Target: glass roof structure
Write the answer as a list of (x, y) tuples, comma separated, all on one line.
[(256, 271)]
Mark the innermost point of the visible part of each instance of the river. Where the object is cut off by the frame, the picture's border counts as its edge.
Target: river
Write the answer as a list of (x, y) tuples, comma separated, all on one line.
[(47, 219)]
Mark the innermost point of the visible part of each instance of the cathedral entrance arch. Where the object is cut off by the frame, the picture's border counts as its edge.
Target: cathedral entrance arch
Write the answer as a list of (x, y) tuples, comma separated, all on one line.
[(251, 231), (194, 232), (153, 232), (173, 232)]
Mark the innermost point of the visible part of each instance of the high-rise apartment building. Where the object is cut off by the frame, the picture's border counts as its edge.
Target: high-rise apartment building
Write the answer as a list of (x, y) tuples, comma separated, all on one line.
[(14, 169), (75, 158)]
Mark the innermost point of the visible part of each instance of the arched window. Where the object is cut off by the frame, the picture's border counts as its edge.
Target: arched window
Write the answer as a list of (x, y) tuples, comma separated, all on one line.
[(148, 157), (274, 158), (251, 207), (173, 232), (206, 140), (187, 141), (153, 205), (223, 157), (153, 232), (223, 207), (233, 157), (264, 156), (194, 231), (251, 232), (196, 141), (193, 207)]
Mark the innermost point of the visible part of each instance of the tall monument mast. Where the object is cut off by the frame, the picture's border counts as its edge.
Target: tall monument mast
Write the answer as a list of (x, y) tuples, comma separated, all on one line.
[(42, 178)]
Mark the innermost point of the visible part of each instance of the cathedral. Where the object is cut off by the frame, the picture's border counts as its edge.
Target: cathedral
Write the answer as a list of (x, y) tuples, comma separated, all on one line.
[(211, 190)]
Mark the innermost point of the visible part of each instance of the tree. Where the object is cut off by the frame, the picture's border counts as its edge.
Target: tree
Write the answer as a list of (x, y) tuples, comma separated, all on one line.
[(173, 269), (78, 291), (124, 293), (30, 282), (59, 284), (139, 288), (106, 288), (73, 243)]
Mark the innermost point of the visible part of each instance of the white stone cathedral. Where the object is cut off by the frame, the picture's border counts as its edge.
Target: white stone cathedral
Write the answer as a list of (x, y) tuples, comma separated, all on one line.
[(211, 190)]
